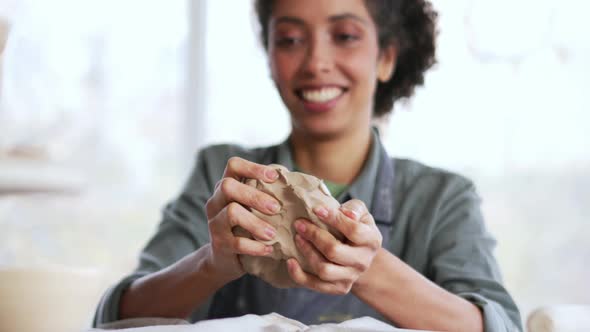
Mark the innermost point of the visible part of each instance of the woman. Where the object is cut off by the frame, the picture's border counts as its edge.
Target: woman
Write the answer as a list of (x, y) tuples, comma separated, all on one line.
[(416, 252)]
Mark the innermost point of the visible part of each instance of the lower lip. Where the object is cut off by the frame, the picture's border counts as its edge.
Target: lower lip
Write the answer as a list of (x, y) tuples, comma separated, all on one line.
[(321, 107)]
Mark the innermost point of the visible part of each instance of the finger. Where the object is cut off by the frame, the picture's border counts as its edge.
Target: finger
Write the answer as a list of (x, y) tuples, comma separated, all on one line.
[(231, 190), (322, 268), (239, 168), (356, 232), (245, 246), (331, 248), (310, 281), (356, 210), (237, 215), (223, 240)]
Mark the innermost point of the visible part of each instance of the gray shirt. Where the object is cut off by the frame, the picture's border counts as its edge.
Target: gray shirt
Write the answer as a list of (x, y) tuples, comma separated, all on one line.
[(428, 217)]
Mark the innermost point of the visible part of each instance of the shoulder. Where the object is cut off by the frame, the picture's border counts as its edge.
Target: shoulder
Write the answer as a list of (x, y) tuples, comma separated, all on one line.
[(436, 205), (414, 176), (430, 195)]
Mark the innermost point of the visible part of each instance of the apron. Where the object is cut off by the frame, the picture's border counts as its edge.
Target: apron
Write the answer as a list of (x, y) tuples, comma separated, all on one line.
[(251, 295)]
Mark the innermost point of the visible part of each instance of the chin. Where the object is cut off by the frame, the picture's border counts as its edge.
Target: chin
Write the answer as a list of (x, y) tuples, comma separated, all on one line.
[(318, 131)]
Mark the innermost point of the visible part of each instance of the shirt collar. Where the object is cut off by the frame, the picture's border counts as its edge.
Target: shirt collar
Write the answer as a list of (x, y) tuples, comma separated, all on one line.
[(373, 186)]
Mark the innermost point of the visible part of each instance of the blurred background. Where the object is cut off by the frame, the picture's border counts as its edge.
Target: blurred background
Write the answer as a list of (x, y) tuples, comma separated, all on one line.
[(103, 105)]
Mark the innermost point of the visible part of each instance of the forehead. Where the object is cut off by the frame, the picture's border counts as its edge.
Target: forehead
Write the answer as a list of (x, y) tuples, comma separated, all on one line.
[(319, 11)]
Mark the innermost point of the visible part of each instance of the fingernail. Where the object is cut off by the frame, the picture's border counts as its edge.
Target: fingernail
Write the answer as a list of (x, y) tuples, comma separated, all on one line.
[(271, 174), (268, 249), (300, 226), (273, 206), (321, 212), (270, 232), (349, 213)]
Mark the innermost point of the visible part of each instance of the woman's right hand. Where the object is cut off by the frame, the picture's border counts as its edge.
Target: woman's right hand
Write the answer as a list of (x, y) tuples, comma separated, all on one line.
[(228, 207)]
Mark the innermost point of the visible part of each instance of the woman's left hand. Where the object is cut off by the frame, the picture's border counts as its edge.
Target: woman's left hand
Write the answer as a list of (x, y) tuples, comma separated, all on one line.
[(336, 265)]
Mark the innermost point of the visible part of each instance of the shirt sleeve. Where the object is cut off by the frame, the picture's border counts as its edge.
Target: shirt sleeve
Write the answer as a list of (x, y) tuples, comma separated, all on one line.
[(183, 229), (462, 260)]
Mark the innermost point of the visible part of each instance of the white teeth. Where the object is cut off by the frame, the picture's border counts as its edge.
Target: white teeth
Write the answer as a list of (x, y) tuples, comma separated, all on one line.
[(321, 95)]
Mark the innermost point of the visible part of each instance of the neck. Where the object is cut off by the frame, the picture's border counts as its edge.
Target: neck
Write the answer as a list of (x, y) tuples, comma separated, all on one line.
[(337, 159)]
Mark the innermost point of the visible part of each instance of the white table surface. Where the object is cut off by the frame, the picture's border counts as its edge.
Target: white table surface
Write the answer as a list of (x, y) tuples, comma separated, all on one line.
[(270, 322)]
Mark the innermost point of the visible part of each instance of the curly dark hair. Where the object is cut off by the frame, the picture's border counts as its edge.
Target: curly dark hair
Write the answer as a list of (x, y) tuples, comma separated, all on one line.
[(409, 25)]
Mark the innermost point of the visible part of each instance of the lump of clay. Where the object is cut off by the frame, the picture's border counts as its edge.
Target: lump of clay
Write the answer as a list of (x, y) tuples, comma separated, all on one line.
[(298, 194)]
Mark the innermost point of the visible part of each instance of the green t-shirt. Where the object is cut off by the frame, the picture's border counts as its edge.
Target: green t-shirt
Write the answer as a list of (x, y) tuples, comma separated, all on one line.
[(336, 189)]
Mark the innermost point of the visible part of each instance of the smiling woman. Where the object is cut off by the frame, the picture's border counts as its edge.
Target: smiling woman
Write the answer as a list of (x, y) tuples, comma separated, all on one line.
[(414, 249), (325, 69)]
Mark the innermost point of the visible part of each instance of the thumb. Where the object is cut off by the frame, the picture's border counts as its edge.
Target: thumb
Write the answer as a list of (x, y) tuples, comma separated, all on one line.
[(354, 209)]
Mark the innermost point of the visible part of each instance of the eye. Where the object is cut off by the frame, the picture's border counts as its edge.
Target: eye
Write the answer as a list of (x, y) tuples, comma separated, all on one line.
[(346, 38), (286, 42)]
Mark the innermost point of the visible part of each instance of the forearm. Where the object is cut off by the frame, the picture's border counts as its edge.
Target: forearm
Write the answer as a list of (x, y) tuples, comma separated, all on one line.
[(410, 300), (174, 292)]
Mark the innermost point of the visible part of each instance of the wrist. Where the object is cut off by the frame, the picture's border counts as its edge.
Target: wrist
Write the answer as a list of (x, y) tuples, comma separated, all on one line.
[(208, 270), (366, 278)]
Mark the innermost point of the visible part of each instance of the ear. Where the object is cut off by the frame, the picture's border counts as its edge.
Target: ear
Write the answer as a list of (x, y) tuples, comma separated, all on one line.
[(386, 63)]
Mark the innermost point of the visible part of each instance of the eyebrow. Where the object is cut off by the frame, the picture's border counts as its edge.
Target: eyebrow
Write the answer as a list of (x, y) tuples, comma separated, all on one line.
[(347, 16), (333, 18)]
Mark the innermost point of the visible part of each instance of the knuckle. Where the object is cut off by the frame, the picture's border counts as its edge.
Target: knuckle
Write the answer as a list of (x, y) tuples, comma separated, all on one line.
[(323, 271), (225, 186), (304, 247), (233, 212), (232, 209), (255, 198), (331, 252), (238, 245), (234, 162), (312, 233)]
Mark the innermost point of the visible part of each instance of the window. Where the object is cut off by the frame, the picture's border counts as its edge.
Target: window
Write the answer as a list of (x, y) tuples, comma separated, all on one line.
[(96, 87), (100, 85)]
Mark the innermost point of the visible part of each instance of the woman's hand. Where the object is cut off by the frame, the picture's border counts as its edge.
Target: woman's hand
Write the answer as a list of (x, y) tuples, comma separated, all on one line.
[(228, 207), (335, 264)]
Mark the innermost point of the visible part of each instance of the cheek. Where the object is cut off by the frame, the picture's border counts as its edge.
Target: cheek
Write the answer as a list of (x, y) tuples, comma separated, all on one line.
[(364, 72), (361, 66), (282, 68)]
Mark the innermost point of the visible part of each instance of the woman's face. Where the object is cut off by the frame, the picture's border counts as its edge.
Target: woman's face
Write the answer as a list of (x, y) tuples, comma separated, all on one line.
[(325, 61)]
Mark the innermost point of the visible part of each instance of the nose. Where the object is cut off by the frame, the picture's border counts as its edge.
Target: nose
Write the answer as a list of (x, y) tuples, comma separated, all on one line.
[(318, 59)]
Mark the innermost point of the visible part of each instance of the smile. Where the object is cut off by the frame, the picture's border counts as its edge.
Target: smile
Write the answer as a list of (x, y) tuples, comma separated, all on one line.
[(321, 95)]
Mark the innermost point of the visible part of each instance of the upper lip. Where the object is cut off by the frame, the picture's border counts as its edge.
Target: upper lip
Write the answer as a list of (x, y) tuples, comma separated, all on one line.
[(319, 86)]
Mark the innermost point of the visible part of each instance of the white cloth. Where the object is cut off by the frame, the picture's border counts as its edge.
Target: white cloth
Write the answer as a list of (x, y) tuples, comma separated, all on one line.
[(268, 323), (560, 318)]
